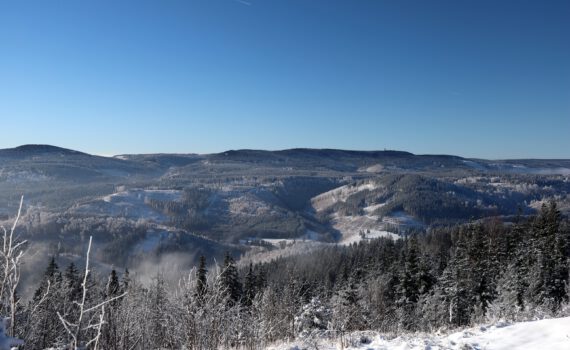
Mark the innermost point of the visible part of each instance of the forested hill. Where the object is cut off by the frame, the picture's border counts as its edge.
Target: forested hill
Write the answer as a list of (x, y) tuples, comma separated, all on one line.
[(172, 208)]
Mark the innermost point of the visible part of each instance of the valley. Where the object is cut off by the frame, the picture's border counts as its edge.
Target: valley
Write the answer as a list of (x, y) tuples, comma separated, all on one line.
[(245, 201)]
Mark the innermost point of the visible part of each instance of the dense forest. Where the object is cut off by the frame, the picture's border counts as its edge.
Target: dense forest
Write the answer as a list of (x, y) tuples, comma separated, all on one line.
[(444, 278)]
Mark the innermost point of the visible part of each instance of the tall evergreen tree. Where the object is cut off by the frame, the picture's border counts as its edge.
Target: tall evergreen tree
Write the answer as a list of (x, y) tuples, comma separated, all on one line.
[(48, 300), (483, 270), (250, 287), (410, 279), (201, 279), (113, 287), (230, 280), (551, 274), (72, 281), (125, 280), (456, 284)]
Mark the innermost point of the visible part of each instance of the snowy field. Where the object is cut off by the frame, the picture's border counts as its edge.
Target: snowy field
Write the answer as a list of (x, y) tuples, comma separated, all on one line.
[(549, 334), (355, 238)]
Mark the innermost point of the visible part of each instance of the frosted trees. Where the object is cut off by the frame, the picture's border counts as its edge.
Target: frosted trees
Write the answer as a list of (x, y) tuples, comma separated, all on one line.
[(551, 277), (131, 327), (334, 291), (410, 283), (47, 301), (313, 319), (85, 329), (456, 285), (212, 318), (11, 258)]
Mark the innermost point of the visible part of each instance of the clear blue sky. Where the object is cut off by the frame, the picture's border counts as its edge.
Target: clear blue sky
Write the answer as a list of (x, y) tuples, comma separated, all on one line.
[(474, 78)]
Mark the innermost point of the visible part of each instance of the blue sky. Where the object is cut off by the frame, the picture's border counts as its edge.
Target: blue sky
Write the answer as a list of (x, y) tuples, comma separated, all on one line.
[(476, 78)]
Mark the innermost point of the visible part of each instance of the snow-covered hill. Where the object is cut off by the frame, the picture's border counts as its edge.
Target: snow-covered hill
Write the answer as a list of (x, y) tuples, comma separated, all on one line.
[(548, 334)]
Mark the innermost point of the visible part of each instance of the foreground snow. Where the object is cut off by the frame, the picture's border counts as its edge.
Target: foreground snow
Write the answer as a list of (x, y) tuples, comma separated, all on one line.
[(551, 334)]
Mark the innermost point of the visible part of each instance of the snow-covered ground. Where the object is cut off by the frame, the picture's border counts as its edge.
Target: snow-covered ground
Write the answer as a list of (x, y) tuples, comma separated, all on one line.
[(340, 194), (350, 227), (549, 334)]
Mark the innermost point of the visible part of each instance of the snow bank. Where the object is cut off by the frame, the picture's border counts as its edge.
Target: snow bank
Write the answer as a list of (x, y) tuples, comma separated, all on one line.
[(551, 334)]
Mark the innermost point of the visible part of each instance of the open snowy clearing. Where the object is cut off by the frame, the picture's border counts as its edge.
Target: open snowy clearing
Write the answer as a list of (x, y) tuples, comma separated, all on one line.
[(351, 227), (551, 334)]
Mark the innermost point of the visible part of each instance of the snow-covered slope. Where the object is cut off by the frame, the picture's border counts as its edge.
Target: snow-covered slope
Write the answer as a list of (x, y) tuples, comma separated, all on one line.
[(549, 334), (340, 194), (130, 204)]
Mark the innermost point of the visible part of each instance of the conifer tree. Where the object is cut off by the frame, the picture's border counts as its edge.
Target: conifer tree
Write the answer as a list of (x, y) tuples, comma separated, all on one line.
[(409, 287), (483, 271), (410, 280), (456, 284), (47, 301), (72, 282), (551, 273), (125, 280), (201, 281), (250, 288), (230, 280), (260, 279), (113, 287), (109, 333)]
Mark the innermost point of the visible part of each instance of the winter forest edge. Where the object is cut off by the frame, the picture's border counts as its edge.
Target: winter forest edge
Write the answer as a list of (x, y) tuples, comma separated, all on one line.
[(444, 279)]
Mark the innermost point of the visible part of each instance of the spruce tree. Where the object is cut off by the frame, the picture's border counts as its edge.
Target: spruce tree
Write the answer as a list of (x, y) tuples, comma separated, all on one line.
[(72, 281), (483, 270), (250, 288), (113, 287), (552, 270), (410, 280), (456, 284), (230, 280), (125, 280), (48, 300), (201, 279), (261, 279)]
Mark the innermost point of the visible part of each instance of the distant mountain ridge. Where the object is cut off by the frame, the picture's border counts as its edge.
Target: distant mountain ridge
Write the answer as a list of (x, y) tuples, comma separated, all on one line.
[(307, 159), (242, 154), (38, 149)]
